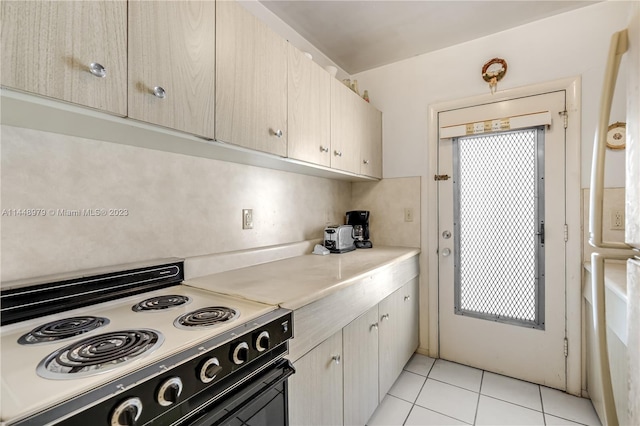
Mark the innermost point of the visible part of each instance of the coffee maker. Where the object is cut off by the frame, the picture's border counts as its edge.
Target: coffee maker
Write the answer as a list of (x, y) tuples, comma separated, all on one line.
[(359, 219)]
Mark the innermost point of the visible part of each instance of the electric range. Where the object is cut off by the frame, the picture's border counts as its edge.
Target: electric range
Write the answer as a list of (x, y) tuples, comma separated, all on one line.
[(135, 346)]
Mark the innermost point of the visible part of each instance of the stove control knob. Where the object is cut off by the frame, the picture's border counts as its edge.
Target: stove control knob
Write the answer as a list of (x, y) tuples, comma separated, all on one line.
[(169, 391), (127, 413), (262, 341), (210, 370), (240, 353)]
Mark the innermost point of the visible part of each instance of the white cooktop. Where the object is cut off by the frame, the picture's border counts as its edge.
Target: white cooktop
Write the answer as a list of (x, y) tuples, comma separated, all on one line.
[(25, 393)]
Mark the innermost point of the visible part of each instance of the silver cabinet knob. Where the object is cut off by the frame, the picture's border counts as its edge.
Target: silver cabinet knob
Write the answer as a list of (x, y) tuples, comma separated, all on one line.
[(384, 317), (446, 252), (407, 298), (278, 133), (365, 161), (373, 327), (159, 92), (97, 70), (337, 153), (336, 359), (324, 148)]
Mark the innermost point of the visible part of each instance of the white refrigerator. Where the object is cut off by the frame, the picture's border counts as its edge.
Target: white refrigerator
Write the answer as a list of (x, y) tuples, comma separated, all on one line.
[(624, 43)]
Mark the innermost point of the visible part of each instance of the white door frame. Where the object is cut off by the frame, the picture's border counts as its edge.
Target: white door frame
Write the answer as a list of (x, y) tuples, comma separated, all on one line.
[(573, 201)]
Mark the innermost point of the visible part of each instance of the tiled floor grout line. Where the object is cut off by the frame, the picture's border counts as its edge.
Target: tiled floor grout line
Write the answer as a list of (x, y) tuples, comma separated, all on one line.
[(544, 418), (475, 417)]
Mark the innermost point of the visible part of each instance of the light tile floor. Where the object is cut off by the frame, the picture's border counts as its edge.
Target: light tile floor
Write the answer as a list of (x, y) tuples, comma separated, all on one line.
[(438, 392)]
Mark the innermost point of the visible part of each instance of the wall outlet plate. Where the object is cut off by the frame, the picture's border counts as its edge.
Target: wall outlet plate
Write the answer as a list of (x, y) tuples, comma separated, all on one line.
[(247, 218), (408, 214), (617, 220)]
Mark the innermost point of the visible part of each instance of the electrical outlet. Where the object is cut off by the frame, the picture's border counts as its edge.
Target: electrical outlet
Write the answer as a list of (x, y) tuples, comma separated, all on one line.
[(247, 218), (617, 219), (408, 214)]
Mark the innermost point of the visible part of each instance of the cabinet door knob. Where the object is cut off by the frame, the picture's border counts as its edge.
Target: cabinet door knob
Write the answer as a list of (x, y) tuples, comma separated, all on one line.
[(374, 326), (97, 70), (407, 298), (324, 148), (336, 359), (278, 133), (159, 92), (337, 153), (384, 317), (365, 161)]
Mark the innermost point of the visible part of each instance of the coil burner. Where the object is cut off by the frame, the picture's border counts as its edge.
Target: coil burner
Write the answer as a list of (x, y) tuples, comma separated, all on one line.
[(62, 329), (160, 303), (100, 353), (206, 317)]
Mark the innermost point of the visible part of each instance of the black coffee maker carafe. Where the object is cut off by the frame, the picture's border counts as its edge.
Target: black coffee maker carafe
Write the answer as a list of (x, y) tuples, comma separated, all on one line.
[(359, 219)]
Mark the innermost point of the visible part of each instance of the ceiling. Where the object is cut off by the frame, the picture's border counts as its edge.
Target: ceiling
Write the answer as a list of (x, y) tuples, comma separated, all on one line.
[(361, 35)]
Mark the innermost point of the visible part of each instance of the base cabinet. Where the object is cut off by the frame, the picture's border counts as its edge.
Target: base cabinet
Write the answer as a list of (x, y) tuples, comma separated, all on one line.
[(315, 390), (342, 380), (360, 348)]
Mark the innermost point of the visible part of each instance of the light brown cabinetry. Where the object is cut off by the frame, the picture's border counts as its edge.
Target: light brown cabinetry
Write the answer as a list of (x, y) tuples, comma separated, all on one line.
[(315, 391), (251, 81), (51, 47), (309, 107), (172, 64), (360, 348), (398, 333), (371, 143), (345, 128)]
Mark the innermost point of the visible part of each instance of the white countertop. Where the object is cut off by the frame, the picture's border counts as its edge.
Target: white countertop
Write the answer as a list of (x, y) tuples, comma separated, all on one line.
[(295, 282)]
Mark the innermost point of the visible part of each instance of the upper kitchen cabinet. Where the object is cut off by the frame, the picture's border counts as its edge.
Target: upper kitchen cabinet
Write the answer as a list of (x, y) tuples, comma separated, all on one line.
[(371, 143), (346, 131), (309, 109), (251, 81), (172, 64), (75, 51)]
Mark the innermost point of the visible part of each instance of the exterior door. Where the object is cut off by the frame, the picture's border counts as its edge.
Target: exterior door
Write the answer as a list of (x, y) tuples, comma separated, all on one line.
[(501, 222)]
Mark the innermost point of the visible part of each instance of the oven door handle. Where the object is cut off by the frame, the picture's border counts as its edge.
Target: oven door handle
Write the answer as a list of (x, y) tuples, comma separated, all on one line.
[(287, 370)]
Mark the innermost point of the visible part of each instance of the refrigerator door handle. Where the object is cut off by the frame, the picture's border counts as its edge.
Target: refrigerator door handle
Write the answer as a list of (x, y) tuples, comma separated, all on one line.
[(600, 327), (619, 45)]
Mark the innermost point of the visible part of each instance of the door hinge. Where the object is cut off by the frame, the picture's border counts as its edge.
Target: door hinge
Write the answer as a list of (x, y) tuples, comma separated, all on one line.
[(566, 347), (565, 117), (566, 232), (441, 177)]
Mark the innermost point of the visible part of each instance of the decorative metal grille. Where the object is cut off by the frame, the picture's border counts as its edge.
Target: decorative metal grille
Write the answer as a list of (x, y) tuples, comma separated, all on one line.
[(499, 210)]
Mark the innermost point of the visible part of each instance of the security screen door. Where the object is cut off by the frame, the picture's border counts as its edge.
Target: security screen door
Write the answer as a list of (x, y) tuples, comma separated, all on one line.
[(501, 238)]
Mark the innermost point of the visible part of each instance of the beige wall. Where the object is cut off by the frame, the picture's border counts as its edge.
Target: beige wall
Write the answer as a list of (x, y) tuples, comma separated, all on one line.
[(177, 205), (386, 200)]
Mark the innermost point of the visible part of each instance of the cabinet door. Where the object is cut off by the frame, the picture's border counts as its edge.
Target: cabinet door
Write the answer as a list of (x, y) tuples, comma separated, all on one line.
[(171, 64), (48, 48), (360, 349), (251, 81), (345, 128), (398, 315), (309, 110), (315, 390), (409, 311), (391, 337), (371, 149)]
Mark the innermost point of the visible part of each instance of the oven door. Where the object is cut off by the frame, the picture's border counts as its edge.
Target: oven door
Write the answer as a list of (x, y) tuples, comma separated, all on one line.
[(261, 401)]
